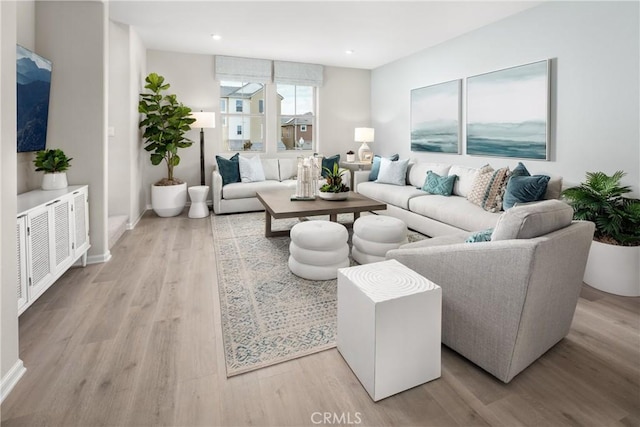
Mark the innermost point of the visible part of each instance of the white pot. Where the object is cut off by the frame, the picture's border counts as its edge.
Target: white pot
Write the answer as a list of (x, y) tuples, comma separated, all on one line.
[(54, 181), (614, 269), (168, 200)]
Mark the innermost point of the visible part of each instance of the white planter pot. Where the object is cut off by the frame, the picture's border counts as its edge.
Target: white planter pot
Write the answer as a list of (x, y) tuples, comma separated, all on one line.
[(614, 269), (168, 200), (54, 181)]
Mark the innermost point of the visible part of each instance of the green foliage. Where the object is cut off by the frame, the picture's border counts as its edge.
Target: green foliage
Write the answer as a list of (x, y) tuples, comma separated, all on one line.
[(600, 200), (50, 161), (165, 122), (334, 180)]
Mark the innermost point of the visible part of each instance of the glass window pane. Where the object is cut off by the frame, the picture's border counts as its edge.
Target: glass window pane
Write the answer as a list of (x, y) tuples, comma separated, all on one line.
[(287, 99), (296, 133), (243, 133), (304, 100)]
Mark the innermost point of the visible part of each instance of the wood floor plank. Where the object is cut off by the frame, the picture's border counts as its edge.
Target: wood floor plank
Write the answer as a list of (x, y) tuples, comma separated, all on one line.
[(137, 341)]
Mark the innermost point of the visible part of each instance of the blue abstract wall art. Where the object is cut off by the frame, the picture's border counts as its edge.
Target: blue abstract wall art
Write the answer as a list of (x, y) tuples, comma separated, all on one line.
[(435, 118), (508, 112)]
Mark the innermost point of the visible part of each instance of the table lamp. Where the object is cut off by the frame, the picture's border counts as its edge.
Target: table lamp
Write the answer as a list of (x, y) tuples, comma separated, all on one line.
[(364, 135)]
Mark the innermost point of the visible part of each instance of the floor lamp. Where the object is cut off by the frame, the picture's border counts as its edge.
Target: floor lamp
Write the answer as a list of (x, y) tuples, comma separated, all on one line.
[(203, 120)]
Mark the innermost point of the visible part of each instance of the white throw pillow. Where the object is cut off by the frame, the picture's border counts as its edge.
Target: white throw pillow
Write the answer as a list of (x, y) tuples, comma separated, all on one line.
[(466, 178), (271, 169), (250, 169), (393, 172)]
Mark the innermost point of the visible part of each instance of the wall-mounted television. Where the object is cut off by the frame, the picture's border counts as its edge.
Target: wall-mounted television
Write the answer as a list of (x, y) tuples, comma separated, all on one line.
[(34, 85)]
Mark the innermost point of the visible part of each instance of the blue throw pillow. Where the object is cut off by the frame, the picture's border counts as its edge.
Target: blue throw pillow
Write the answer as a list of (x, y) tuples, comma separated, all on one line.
[(524, 189), (375, 166), (436, 184), (520, 170), (328, 162), (480, 236), (229, 169)]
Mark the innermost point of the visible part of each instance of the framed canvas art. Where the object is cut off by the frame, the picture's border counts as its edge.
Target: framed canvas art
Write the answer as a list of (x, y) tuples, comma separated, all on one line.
[(508, 112), (435, 118), (33, 75)]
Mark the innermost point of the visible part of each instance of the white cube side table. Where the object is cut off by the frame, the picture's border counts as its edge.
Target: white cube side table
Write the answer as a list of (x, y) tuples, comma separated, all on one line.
[(389, 326)]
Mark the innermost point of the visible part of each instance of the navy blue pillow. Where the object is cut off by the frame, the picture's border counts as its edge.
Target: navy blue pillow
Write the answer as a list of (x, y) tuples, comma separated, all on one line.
[(328, 162), (375, 166), (524, 189), (229, 169), (520, 170)]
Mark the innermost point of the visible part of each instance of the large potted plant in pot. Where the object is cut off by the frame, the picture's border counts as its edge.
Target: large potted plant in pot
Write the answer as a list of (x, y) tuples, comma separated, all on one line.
[(614, 258), (165, 123), (54, 163)]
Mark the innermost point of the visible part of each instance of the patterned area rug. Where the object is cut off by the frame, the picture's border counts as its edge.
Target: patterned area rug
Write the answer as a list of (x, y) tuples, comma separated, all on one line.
[(269, 315)]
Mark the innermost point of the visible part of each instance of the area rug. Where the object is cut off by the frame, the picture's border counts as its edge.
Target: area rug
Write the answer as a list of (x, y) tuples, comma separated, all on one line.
[(268, 314)]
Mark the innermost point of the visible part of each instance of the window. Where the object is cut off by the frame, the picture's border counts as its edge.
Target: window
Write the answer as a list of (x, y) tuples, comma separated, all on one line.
[(297, 117), (243, 126)]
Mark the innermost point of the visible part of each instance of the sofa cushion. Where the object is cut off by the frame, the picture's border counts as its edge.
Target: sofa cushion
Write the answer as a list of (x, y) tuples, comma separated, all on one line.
[(554, 187), (250, 169), (388, 193), (329, 163), (466, 178), (531, 220), (417, 172), (488, 188), (288, 168), (455, 211), (436, 184), (375, 166), (229, 169), (271, 169), (524, 189), (393, 172), (242, 190)]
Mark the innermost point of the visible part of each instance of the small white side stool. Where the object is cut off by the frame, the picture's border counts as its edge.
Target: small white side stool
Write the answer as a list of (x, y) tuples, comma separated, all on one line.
[(389, 326), (375, 235), (318, 249), (198, 196)]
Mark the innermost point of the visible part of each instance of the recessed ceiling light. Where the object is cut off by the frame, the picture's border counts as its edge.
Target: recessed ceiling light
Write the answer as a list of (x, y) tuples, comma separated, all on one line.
[(216, 37), (349, 52)]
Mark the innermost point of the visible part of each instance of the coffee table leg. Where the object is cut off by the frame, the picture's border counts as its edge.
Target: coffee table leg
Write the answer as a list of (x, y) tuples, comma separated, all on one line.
[(333, 217), (356, 215), (267, 224)]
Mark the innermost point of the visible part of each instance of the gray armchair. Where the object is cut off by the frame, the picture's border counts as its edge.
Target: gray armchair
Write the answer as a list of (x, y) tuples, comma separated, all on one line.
[(507, 301)]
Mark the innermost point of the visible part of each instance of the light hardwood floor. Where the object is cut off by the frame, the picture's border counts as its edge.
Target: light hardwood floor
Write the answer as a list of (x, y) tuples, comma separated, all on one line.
[(137, 341)]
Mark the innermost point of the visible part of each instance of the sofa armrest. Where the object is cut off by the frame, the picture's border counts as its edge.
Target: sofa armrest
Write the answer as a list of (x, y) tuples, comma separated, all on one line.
[(358, 177), (216, 190)]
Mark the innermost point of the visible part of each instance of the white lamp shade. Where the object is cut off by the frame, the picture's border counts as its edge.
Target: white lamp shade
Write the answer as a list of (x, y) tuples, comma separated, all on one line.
[(364, 134), (203, 120)]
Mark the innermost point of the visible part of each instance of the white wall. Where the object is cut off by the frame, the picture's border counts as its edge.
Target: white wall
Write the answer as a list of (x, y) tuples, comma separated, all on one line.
[(10, 365), (595, 85), (344, 104), (74, 36), (137, 158)]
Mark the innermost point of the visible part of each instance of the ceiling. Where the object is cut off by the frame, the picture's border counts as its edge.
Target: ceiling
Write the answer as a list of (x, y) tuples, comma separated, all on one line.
[(320, 32)]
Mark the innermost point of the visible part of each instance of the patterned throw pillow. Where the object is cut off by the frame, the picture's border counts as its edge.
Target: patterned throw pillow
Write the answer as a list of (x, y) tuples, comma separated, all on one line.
[(480, 236), (488, 188), (436, 184)]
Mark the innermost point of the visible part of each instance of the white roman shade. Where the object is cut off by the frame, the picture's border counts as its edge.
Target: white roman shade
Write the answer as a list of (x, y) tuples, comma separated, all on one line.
[(243, 69), (296, 73)]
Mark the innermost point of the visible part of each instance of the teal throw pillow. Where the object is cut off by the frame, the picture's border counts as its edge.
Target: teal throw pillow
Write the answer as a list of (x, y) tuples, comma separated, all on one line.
[(328, 162), (375, 166), (436, 184), (480, 236), (229, 169), (524, 189), (520, 170)]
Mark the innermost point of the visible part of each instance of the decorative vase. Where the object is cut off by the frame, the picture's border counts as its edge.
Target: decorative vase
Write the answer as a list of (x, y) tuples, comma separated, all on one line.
[(614, 269), (351, 157), (168, 200), (54, 181)]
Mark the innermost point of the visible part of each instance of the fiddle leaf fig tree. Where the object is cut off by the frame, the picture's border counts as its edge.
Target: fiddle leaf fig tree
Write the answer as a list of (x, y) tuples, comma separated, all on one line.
[(165, 123)]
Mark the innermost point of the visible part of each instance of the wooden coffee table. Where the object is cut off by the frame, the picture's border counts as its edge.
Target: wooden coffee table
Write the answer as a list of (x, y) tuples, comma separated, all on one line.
[(278, 204)]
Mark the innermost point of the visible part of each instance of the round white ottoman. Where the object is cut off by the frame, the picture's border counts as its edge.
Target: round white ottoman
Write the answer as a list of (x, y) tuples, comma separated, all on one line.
[(318, 249), (375, 235), (198, 196)]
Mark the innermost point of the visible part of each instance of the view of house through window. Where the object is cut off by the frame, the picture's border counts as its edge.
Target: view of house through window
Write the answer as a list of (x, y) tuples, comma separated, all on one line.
[(297, 118), (242, 116)]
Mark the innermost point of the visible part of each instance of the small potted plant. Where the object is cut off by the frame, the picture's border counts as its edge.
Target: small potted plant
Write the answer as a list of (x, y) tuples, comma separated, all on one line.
[(334, 189), (351, 156), (614, 258), (54, 163)]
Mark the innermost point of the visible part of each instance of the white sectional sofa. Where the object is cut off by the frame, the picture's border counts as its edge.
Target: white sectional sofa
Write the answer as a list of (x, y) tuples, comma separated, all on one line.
[(435, 215), (241, 196)]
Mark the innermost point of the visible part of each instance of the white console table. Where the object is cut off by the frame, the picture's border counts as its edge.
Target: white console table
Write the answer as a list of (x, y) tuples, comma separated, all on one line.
[(52, 233)]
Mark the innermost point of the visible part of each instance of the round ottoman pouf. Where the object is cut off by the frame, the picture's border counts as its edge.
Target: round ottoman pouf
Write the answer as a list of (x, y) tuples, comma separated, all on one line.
[(375, 235), (318, 249)]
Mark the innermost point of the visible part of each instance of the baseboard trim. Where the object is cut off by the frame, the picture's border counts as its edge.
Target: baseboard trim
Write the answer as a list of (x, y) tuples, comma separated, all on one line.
[(10, 380), (99, 259), (132, 225)]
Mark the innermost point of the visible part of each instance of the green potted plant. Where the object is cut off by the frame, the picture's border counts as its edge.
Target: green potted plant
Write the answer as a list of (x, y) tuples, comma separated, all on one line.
[(614, 258), (165, 122), (334, 188), (54, 163)]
